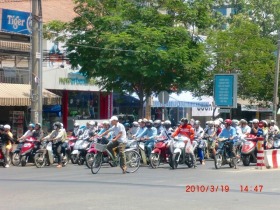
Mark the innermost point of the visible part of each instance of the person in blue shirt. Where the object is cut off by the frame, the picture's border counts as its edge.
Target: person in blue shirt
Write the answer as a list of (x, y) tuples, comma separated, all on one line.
[(148, 135), (230, 133), (142, 128), (106, 126)]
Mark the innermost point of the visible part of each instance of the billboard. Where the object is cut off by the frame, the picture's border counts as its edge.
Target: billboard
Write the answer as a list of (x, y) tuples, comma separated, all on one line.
[(225, 90), (13, 21)]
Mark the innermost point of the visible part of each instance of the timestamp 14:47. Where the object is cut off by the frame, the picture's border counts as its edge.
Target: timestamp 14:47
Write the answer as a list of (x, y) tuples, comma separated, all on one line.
[(251, 188)]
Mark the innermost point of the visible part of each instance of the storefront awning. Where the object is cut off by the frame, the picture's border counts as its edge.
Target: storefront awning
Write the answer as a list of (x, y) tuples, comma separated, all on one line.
[(19, 95)]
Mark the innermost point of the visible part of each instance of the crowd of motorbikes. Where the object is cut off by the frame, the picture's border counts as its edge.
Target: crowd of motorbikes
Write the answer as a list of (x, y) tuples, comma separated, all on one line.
[(172, 151)]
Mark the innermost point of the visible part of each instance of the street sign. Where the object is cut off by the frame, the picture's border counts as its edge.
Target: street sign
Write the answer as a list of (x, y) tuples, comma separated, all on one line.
[(225, 90), (163, 97), (224, 110)]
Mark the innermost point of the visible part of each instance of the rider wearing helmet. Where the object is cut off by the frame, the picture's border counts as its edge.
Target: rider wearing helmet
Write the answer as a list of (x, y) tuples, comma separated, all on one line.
[(187, 130), (157, 125), (274, 129), (245, 128), (28, 133), (90, 127), (255, 126), (142, 127), (199, 133), (56, 136), (230, 133), (149, 136), (135, 128), (38, 133), (6, 139), (166, 132), (76, 130)]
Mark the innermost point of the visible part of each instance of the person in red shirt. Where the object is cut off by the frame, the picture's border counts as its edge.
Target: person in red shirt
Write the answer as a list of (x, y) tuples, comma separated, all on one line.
[(187, 130)]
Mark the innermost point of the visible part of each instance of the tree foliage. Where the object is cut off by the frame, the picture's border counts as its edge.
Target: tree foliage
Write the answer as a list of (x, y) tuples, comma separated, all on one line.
[(241, 49), (140, 46)]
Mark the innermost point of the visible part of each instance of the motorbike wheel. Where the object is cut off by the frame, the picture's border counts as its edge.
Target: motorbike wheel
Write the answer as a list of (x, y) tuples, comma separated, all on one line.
[(96, 163), (154, 160), (74, 159), (65, 160), (218, 160), (173, 162), (132, 161), (89, 159), (80, 161), (40, 160), (189, 160), (16, 159), (23, 160), (246, 160)]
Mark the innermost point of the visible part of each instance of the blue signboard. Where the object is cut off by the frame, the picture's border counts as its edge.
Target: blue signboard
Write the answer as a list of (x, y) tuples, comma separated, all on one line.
[(225, 90), (16, 22)]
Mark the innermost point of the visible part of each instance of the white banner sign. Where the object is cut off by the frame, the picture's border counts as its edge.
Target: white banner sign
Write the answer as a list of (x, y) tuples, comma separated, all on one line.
[(204, 111)]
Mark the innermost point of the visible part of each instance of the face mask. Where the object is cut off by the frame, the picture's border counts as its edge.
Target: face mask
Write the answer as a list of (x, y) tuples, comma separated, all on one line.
[(182, 123), (149, 126)]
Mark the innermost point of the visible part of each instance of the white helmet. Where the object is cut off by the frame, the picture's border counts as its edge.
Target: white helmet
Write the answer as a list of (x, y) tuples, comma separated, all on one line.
[(106, 122), (76, 124), (216, 122), (210, 122), (167, 122), (92, 123), (255, 121), (221, 120), (7, 127)]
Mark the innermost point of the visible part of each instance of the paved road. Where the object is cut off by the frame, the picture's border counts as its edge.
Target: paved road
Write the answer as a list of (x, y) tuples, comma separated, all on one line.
[(74, 187)]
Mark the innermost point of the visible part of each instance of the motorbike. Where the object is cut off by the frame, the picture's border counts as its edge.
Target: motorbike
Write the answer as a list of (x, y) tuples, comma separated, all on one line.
[(2, 161), (71, 142), (26, 153), (224, 154), (75, 151), (159, 153), (82, 151), (45, 156), (249, 150), (181, 152)]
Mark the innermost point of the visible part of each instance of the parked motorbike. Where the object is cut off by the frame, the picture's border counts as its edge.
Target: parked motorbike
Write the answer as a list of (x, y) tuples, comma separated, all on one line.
[(159, 153), (181, 152), (224, 154), (26, 153), (249, 150), (45, 155), (2, 161)]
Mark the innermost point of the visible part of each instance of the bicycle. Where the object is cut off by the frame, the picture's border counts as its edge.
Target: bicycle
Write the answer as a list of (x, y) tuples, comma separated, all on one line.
[(132, 159)]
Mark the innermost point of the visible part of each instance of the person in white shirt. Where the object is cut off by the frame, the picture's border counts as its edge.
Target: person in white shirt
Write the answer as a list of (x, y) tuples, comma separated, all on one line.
[(199, 133), (119, 140), (27, 134), (274, 129)]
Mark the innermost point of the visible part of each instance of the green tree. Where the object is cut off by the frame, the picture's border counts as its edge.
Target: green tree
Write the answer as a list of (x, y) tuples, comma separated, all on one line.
[(241, 49), (140, 46)]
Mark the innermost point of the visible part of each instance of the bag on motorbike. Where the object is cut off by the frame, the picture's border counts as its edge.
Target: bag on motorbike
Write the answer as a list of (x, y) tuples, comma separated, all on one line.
[(189, 147)]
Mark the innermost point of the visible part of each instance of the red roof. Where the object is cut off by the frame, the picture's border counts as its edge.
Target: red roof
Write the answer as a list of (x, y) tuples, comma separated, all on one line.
[(52, 9)]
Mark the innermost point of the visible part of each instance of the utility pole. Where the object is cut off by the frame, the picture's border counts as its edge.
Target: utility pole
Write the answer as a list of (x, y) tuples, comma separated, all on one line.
[(36, 59), (276, 81)]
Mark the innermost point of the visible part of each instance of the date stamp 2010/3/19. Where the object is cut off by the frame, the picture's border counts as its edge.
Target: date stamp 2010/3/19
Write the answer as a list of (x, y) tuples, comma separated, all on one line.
[(222, 188)]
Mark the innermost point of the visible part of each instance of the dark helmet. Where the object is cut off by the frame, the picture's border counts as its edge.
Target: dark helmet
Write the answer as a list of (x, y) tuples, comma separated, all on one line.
[(127, 125), (57, 124), (228, 121), (91, 133), (184, 120), (2, 128), (39, 124)]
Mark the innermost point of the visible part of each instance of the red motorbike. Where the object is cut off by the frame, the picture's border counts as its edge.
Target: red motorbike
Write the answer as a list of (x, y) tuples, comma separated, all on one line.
[(159, 153), (71, 142), (26, 153), (249, 150)]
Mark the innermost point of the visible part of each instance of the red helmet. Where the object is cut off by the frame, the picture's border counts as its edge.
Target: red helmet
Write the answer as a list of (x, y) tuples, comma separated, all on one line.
[(228, 121)]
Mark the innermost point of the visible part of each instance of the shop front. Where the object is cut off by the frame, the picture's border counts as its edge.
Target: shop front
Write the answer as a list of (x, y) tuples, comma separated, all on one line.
[(81, 99)]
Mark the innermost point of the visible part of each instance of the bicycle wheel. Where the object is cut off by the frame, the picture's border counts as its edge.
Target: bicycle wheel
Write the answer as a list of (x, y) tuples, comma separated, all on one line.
[(132, 161), (96, 163)]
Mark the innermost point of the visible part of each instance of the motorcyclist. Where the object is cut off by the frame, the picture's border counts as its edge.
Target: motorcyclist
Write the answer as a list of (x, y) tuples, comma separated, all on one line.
[(230, 133), (255, 126), (187, 130), (56, 136), (199, 133), (210, 134), (90, 126), (77, 131), (27, 134), (158, 126), (166, 132), (245, 128), (218, 127), (38, 133), (64, 144), (148, 135), (142, 128), (6, 142), (106, 126), (274, 129), (134, 128)]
